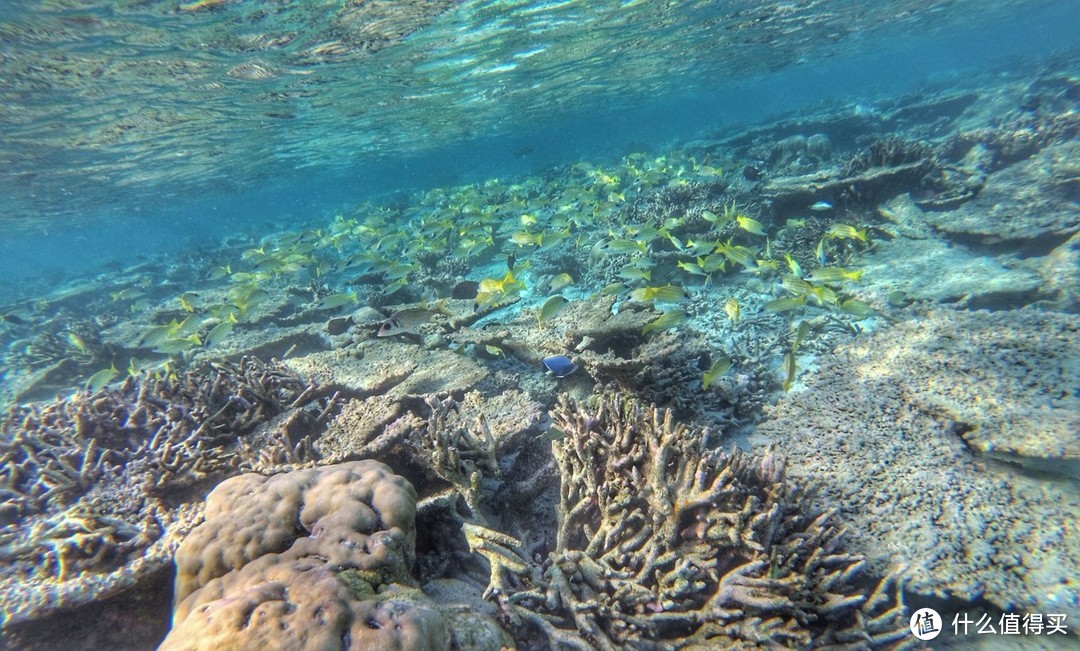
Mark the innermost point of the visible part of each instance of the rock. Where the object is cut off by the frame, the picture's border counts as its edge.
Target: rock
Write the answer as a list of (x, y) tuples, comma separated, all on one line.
[(1035, 198), (932, 270)]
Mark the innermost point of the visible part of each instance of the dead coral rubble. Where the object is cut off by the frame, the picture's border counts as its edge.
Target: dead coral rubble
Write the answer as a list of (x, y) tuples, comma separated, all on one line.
[(90, 483), (664, 544), (904, 430)]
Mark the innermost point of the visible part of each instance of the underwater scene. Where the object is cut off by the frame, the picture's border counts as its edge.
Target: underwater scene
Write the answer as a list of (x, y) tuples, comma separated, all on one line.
[(539, 324)]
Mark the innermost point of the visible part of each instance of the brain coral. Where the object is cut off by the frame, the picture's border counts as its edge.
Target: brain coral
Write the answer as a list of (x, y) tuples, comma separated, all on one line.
[(309, 559), (905, 431)]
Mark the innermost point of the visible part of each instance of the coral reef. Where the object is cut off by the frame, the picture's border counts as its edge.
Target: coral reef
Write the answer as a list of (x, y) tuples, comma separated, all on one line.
[(313, 559), (663, 543), (904, 429), (95, 485)]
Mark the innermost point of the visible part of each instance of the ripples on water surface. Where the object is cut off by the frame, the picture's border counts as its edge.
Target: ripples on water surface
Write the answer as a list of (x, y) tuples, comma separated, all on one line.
[(108, 102)]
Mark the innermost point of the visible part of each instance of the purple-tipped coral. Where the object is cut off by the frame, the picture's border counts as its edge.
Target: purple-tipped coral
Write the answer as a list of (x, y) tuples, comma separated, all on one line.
[(664, 544)]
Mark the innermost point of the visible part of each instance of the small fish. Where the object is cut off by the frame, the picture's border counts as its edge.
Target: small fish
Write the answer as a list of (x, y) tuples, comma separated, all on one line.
[(712, 263), (856, 308), (559, 282), (675, 242), (750, 225), (140, 305), (823, 295), (336, 300), (665, 321), (218, 333), (720, 366), (186, 301), (394, 286), (220, 272), (821, 206), (793, 265), (98, 380), (845, 232), (790, 368), (897, 298), (494, 351), (819, 252), (633, 272), (762, 266), (550, 308), (127, 294), (801, 331), (558, 365), (784, 304), (172, 345), (554, 434), (135, 366), (733, 310), (713, 218), (693, 268), (409, 320), (526, 239), (666, 294), (154, 335), (795, 223), (614, 289), (739, 254), (77, 342), (834, 274), (625, 246), (796, 285)]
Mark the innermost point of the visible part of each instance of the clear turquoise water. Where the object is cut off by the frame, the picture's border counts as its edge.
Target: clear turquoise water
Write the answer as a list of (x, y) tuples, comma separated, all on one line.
[(135, 127)]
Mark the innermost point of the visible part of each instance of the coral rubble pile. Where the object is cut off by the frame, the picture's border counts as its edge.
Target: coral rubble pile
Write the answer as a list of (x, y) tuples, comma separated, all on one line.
[(663, 543), (950, 444)]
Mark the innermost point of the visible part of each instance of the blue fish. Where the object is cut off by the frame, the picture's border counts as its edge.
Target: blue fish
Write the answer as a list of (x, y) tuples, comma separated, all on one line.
[(559, 365)]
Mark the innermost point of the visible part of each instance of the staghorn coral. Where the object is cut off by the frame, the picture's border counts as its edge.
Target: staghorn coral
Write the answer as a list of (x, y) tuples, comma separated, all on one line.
[(662, 543), (311, 559), (461, 456), (96, 487)]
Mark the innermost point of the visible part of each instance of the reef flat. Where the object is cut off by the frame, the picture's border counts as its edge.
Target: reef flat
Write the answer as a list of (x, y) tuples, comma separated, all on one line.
[(764, 387)]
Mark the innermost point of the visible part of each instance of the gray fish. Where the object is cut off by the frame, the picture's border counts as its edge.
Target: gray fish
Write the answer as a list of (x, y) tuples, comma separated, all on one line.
[(409, 320)]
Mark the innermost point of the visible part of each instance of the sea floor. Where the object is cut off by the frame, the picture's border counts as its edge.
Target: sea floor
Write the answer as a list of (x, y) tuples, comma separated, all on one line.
[(883, 296)]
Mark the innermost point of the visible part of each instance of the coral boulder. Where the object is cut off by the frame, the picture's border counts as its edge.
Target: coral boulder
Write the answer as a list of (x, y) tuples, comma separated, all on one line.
[(311, 559)]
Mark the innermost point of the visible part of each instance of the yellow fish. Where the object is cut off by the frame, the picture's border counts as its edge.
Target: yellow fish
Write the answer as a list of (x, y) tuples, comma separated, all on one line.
[(732, 309), (834, 274), (845, 232), (750, 225)]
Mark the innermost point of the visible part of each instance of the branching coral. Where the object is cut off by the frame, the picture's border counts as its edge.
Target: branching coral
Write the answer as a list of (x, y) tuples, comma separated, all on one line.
[(664, 544), (461, 456), (82, 512)]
